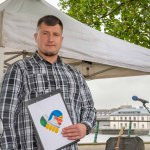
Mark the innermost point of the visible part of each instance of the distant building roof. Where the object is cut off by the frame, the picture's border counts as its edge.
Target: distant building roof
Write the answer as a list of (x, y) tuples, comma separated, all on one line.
[(130, 111)]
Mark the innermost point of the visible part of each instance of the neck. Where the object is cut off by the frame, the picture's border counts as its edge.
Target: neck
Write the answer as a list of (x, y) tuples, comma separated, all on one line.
[(51, 59)]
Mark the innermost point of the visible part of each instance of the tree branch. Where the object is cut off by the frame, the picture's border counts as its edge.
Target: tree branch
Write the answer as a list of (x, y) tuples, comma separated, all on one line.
[(123, 3)]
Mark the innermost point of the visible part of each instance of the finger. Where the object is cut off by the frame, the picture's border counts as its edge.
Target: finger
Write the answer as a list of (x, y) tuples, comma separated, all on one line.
[(70, 134), (69, 130), (73, 137), (72, 130)]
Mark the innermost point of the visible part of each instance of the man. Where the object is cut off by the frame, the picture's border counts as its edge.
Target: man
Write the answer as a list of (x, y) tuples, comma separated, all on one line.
[(42, 73)]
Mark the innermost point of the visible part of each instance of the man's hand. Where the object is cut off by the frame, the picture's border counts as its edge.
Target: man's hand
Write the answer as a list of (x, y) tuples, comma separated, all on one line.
[(74, 132)]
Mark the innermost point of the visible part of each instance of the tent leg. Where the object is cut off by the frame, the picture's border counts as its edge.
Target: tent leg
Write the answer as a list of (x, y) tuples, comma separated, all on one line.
[(1, 63)]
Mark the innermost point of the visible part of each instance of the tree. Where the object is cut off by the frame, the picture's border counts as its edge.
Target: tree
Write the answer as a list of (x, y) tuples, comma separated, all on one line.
[(125, 19)]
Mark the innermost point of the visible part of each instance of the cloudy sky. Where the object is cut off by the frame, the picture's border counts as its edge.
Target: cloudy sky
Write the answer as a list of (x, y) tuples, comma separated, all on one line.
[(110, 93), (113, 92)]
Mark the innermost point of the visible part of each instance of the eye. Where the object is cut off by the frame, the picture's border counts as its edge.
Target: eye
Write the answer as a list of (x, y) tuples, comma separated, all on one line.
[(56, 34), (44, 33)]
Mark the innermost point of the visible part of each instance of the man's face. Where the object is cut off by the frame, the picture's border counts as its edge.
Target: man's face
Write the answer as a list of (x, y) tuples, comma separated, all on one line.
[(49, 39)]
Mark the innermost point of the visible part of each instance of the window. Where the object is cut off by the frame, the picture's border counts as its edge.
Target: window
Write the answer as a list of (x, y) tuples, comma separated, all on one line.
[(134, 125), (134, 118), (142, 118), (125, 118), (129, 118), (114, 118), (121, 124), (120, 118), (142, 126), (114, 126)]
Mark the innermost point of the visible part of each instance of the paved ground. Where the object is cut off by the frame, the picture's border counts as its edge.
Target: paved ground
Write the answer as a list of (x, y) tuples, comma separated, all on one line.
[(101, 146)]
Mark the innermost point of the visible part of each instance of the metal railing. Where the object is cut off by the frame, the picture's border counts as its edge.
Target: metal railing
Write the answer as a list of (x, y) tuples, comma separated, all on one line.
[(125, 121)]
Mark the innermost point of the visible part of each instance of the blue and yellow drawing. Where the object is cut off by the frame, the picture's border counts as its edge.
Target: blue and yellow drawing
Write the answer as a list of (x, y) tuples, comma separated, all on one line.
[(53, 122)]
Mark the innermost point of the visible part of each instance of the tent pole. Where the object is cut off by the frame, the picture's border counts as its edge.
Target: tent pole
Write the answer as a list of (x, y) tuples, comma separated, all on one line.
[(1, 63)]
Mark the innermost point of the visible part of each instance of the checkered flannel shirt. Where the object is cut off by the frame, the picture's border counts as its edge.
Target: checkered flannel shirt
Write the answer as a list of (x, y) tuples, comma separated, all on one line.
[(29, 78)]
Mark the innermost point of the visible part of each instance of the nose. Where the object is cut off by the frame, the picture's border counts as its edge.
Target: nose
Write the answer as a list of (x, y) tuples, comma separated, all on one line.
[(50, 38)]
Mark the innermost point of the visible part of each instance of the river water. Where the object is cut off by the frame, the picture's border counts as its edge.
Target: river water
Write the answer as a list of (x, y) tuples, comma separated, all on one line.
[(102, 138)]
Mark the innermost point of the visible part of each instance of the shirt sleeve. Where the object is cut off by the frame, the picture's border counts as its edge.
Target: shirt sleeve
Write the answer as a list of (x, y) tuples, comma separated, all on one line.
[(9, 99), (88, 113)]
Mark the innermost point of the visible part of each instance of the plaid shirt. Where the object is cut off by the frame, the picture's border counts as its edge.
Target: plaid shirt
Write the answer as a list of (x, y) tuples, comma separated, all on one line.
[(29, 78)]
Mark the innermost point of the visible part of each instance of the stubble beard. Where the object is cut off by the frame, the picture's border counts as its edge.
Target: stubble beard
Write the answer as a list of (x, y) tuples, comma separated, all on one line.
[(48, 53)]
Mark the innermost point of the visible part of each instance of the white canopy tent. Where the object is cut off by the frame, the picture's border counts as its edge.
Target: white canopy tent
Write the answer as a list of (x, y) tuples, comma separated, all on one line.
[(96, 54)]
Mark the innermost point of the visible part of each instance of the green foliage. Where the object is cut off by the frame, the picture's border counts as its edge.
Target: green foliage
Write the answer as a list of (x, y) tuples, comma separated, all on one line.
[(125, 19)]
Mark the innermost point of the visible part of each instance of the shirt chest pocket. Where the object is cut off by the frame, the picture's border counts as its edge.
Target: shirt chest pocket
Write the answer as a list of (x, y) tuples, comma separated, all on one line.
[(38, 82)]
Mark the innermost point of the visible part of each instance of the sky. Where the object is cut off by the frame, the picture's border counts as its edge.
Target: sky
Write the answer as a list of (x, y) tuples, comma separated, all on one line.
[(114, 92), (52, 2)]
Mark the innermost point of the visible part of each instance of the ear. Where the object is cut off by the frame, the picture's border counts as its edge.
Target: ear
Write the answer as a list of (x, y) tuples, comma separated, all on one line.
[(35, 36)]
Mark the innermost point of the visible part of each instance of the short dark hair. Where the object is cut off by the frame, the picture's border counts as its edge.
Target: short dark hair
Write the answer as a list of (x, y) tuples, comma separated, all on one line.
[(50, 20)]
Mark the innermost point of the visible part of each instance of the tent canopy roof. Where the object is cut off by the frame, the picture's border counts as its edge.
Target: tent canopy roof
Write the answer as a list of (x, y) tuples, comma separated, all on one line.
[(96, 52)]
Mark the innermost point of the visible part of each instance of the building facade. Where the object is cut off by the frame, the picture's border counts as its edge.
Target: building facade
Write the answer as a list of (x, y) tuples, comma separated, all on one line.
[(139, 118)]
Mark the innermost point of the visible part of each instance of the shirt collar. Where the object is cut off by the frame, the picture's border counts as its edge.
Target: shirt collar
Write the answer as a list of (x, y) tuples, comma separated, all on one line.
[(38, 58)]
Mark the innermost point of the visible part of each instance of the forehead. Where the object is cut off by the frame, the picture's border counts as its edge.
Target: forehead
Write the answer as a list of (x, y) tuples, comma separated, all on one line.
[(45, 27)]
